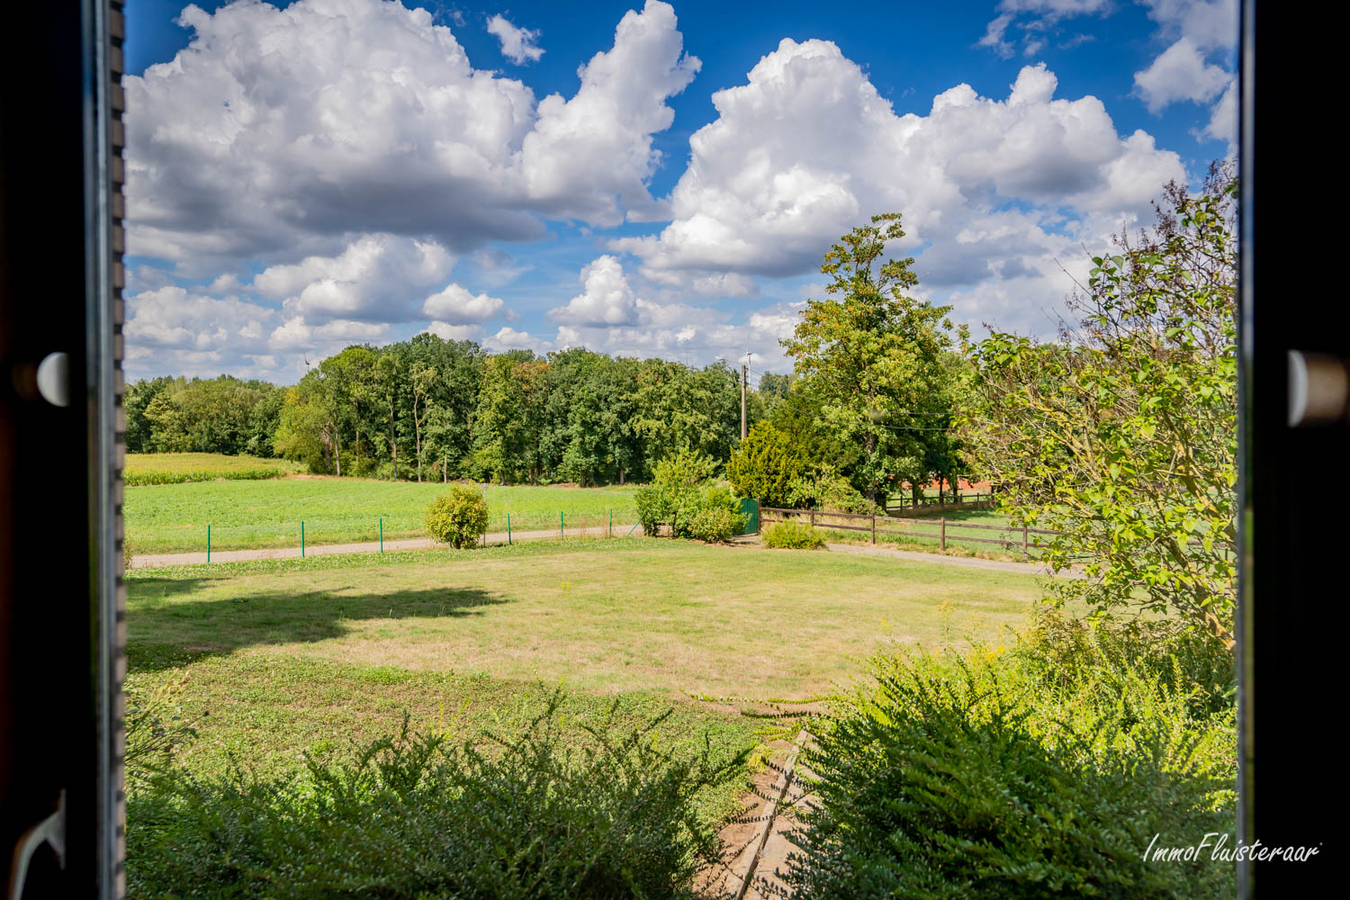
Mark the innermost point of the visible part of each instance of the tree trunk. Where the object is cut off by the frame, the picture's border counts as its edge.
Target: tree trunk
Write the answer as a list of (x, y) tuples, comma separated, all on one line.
[(393, 443), (356, 410)]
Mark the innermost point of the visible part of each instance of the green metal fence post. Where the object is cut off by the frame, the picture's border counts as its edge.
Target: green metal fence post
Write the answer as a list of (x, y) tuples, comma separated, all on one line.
[(508, 528), (302, 538), (611, 523), (381, 534), (562, 533), (208, 543)]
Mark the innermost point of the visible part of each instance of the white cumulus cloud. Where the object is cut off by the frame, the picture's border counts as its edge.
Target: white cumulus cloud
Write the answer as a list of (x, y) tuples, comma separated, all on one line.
[(607, 297), (1179, 73), (377, 278), (807, 149), (279, 133), (589, 157), (457, 306), (520, 45)]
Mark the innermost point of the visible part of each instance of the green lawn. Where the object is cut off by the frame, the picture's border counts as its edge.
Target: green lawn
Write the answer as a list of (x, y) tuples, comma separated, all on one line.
[(268, 659), (171, 518)]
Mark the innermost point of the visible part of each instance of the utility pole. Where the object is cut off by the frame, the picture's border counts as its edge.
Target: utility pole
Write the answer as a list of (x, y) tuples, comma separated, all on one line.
[(743, 384)]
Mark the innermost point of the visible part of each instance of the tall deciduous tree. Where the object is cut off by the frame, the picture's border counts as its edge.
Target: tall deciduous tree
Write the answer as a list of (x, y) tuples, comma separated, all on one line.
[(1123, 434), (874, 356)]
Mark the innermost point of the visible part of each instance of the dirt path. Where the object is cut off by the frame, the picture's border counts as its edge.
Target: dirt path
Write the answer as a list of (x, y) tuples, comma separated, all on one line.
[(186, 559)]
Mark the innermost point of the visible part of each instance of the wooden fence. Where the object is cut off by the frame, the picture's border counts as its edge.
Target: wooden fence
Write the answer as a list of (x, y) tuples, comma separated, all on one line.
[(822, 519), (945, 502)]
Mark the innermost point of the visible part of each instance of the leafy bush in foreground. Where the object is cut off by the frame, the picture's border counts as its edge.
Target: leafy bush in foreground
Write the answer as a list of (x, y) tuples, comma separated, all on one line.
[(416, 817), (1004, 777), (793, 535), (458, 517)]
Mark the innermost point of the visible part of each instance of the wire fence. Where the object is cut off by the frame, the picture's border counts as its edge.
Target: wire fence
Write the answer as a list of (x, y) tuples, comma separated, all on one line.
[(307, 535)]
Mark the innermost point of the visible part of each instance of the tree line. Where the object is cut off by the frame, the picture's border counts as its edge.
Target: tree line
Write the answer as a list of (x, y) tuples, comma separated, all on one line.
[(431, 409), (866, 410)]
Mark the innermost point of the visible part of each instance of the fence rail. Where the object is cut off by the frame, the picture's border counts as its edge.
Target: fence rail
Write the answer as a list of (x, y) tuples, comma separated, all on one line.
[(1021, 533), (976, 500), (942, 524)]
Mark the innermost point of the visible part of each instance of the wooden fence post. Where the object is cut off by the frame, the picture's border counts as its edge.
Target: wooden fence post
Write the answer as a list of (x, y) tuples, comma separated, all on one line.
[(1024, 541), (813, 518), (874, 528), (943, 522)]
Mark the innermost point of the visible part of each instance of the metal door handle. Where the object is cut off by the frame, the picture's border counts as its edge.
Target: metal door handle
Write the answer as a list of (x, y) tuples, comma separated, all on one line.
[(51, 830)]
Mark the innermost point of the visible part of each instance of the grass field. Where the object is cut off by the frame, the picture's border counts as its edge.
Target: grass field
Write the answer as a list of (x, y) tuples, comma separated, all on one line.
[(270, 659), (176, 468), (255, 514)]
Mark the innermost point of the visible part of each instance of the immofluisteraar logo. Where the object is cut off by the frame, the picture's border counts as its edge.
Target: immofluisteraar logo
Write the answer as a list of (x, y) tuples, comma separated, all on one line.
[(1222, 848)]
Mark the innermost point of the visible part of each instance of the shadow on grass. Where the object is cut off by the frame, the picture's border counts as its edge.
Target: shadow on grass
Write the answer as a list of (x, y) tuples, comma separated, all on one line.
[(169, 630)]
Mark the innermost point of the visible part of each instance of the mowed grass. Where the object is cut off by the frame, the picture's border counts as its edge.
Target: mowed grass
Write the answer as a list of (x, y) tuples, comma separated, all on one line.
[(605, 616), (269, 659), (258, 514)]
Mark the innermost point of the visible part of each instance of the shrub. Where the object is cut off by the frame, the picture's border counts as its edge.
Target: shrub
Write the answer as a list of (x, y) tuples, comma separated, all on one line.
[(681, 492), (825, 489), (415, 816), (458, 517), (1002, 777), (654, 507), (793, 535), (765, 465)]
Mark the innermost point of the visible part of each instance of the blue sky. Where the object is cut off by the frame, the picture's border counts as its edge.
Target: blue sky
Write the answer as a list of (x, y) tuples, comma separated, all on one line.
[(349, 170)]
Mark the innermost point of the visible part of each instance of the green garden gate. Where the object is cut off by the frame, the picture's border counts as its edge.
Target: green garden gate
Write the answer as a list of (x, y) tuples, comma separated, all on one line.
[(750, 509)]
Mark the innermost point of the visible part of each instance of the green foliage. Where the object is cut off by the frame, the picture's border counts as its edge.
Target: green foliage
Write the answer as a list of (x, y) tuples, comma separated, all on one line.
[(825, 489), (182, 468), (655, 506), (792, 534), (715, 517), (682, 495), (416, 816), (426, 407), (458, 517), (218, 415), (765, 465), (1044, 771), (874, 357), (156, 729), (1123, 435)]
